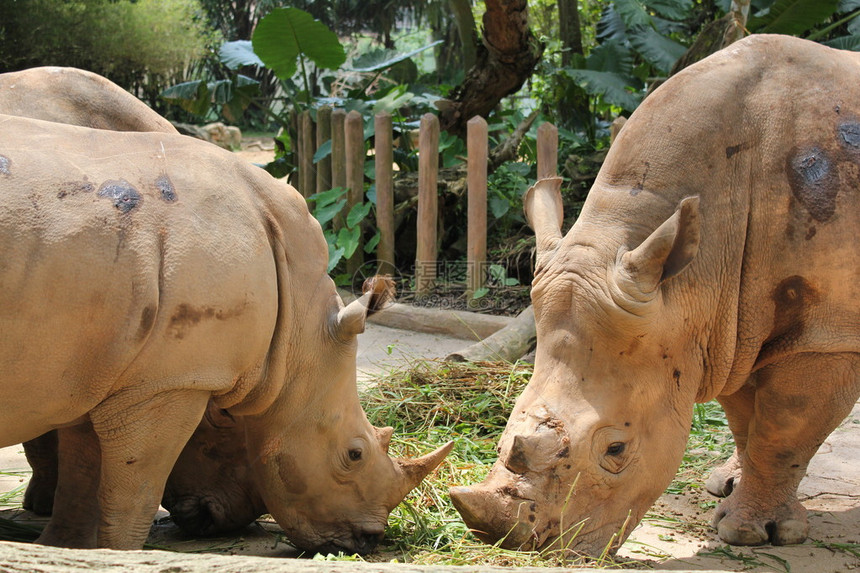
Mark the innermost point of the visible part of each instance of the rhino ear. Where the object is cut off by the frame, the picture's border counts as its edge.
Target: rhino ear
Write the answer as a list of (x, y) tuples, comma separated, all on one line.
[(378, 292), (545, 214), (662, 255)]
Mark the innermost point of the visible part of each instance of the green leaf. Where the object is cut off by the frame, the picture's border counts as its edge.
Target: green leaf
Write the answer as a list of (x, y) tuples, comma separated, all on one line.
[(334, 256), (792, 17), (323, 151), (851, 43), (191, 96), (371, 244), (658, 50), (499, 206), (243, 91), (348, 240), (378, 60), (480, 292), (288, 33), (611, 86), (633, 13), (611, 56), (237, 54), (671, 9), (357, 214), (329, 212), (324, 198)]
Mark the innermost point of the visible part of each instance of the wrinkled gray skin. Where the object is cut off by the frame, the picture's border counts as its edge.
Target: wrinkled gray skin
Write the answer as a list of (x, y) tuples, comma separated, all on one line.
[(211, 489), (165, 272), (715, 257)]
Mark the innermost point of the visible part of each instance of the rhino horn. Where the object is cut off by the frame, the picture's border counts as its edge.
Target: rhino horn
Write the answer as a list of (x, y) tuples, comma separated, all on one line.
[(494, 517), (378, 292), (415, 470), (664, 254), (545, 213), (384, 436)]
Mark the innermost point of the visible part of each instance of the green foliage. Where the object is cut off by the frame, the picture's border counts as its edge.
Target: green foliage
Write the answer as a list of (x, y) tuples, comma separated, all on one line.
[(342, 240), (139, 44)]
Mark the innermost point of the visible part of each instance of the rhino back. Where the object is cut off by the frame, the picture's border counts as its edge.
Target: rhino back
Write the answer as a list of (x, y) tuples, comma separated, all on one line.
[(134, 259), (78, 97), (767, 134)]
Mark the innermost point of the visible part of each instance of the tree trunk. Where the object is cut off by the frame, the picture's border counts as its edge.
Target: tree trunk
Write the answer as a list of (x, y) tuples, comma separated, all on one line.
[(462, 10), (506, 59), (508, 344)]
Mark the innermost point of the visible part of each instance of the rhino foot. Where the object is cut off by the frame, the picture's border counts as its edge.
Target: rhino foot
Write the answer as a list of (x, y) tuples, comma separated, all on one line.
[(726, 478), (742, 525), (39, 496)]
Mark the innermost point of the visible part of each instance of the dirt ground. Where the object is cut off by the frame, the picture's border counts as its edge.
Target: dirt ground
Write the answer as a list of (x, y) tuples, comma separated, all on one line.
[(675, 535)]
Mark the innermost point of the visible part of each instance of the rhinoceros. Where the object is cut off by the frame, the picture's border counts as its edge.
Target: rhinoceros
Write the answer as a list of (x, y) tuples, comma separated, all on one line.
[(145, 273), (211, 489), (714, 258)]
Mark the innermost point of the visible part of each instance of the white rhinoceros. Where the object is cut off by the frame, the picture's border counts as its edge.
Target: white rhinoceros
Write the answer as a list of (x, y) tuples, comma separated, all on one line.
[(142, 274), (211, 489), (714, 258)]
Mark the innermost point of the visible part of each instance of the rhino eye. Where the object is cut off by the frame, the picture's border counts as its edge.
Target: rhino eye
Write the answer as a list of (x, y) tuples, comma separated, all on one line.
[(355, 454), (615, 449)]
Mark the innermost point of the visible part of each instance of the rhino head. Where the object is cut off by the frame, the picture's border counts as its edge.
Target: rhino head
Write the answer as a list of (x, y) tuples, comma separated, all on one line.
[(600, 429), (322, 469)]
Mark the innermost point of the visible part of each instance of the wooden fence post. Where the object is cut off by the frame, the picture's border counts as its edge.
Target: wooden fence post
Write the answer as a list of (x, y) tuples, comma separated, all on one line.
[(476, 179), (307, 181), (428, 166), (355, 156), (384, 192), (338, 157), (547, 150), (323, 134)]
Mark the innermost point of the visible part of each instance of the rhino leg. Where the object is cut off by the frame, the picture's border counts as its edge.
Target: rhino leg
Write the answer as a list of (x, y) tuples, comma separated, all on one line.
[(794, 412), (41, 454), (739, 411), (74, 520), (139, 442)]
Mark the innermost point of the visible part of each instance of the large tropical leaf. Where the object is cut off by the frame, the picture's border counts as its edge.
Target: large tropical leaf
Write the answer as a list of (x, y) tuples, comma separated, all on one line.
[(191, 96), (792, 17), (378, 60), (634, 13), (612, 86), (289, 33), (851, 43), (658, 50), (610, 56), (611, 26), (671, 9), (237, 54)]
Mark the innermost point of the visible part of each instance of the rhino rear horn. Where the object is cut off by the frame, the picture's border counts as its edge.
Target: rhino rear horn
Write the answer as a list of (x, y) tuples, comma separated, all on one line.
[(664, 254), (545, 214), (378, 292)]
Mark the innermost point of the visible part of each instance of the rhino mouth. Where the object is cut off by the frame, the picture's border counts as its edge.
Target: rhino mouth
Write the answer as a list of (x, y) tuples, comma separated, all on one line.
[(362, 544)]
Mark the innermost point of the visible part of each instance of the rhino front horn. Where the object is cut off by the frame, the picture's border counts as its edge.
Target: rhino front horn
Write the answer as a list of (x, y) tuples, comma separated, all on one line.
[(495, 518), (415, 470)]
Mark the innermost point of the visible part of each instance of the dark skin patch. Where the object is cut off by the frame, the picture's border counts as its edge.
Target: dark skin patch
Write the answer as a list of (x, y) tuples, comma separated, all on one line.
[(676, 375), (291, 474), (124, 196), (814, 181), (641, 184), (732, 150), (792, 298), (165, 188), (72, 188), (187, 316), (849, 135)]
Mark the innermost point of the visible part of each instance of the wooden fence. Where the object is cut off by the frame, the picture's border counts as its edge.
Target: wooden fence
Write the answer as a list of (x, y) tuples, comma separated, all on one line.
[(344, 167)]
